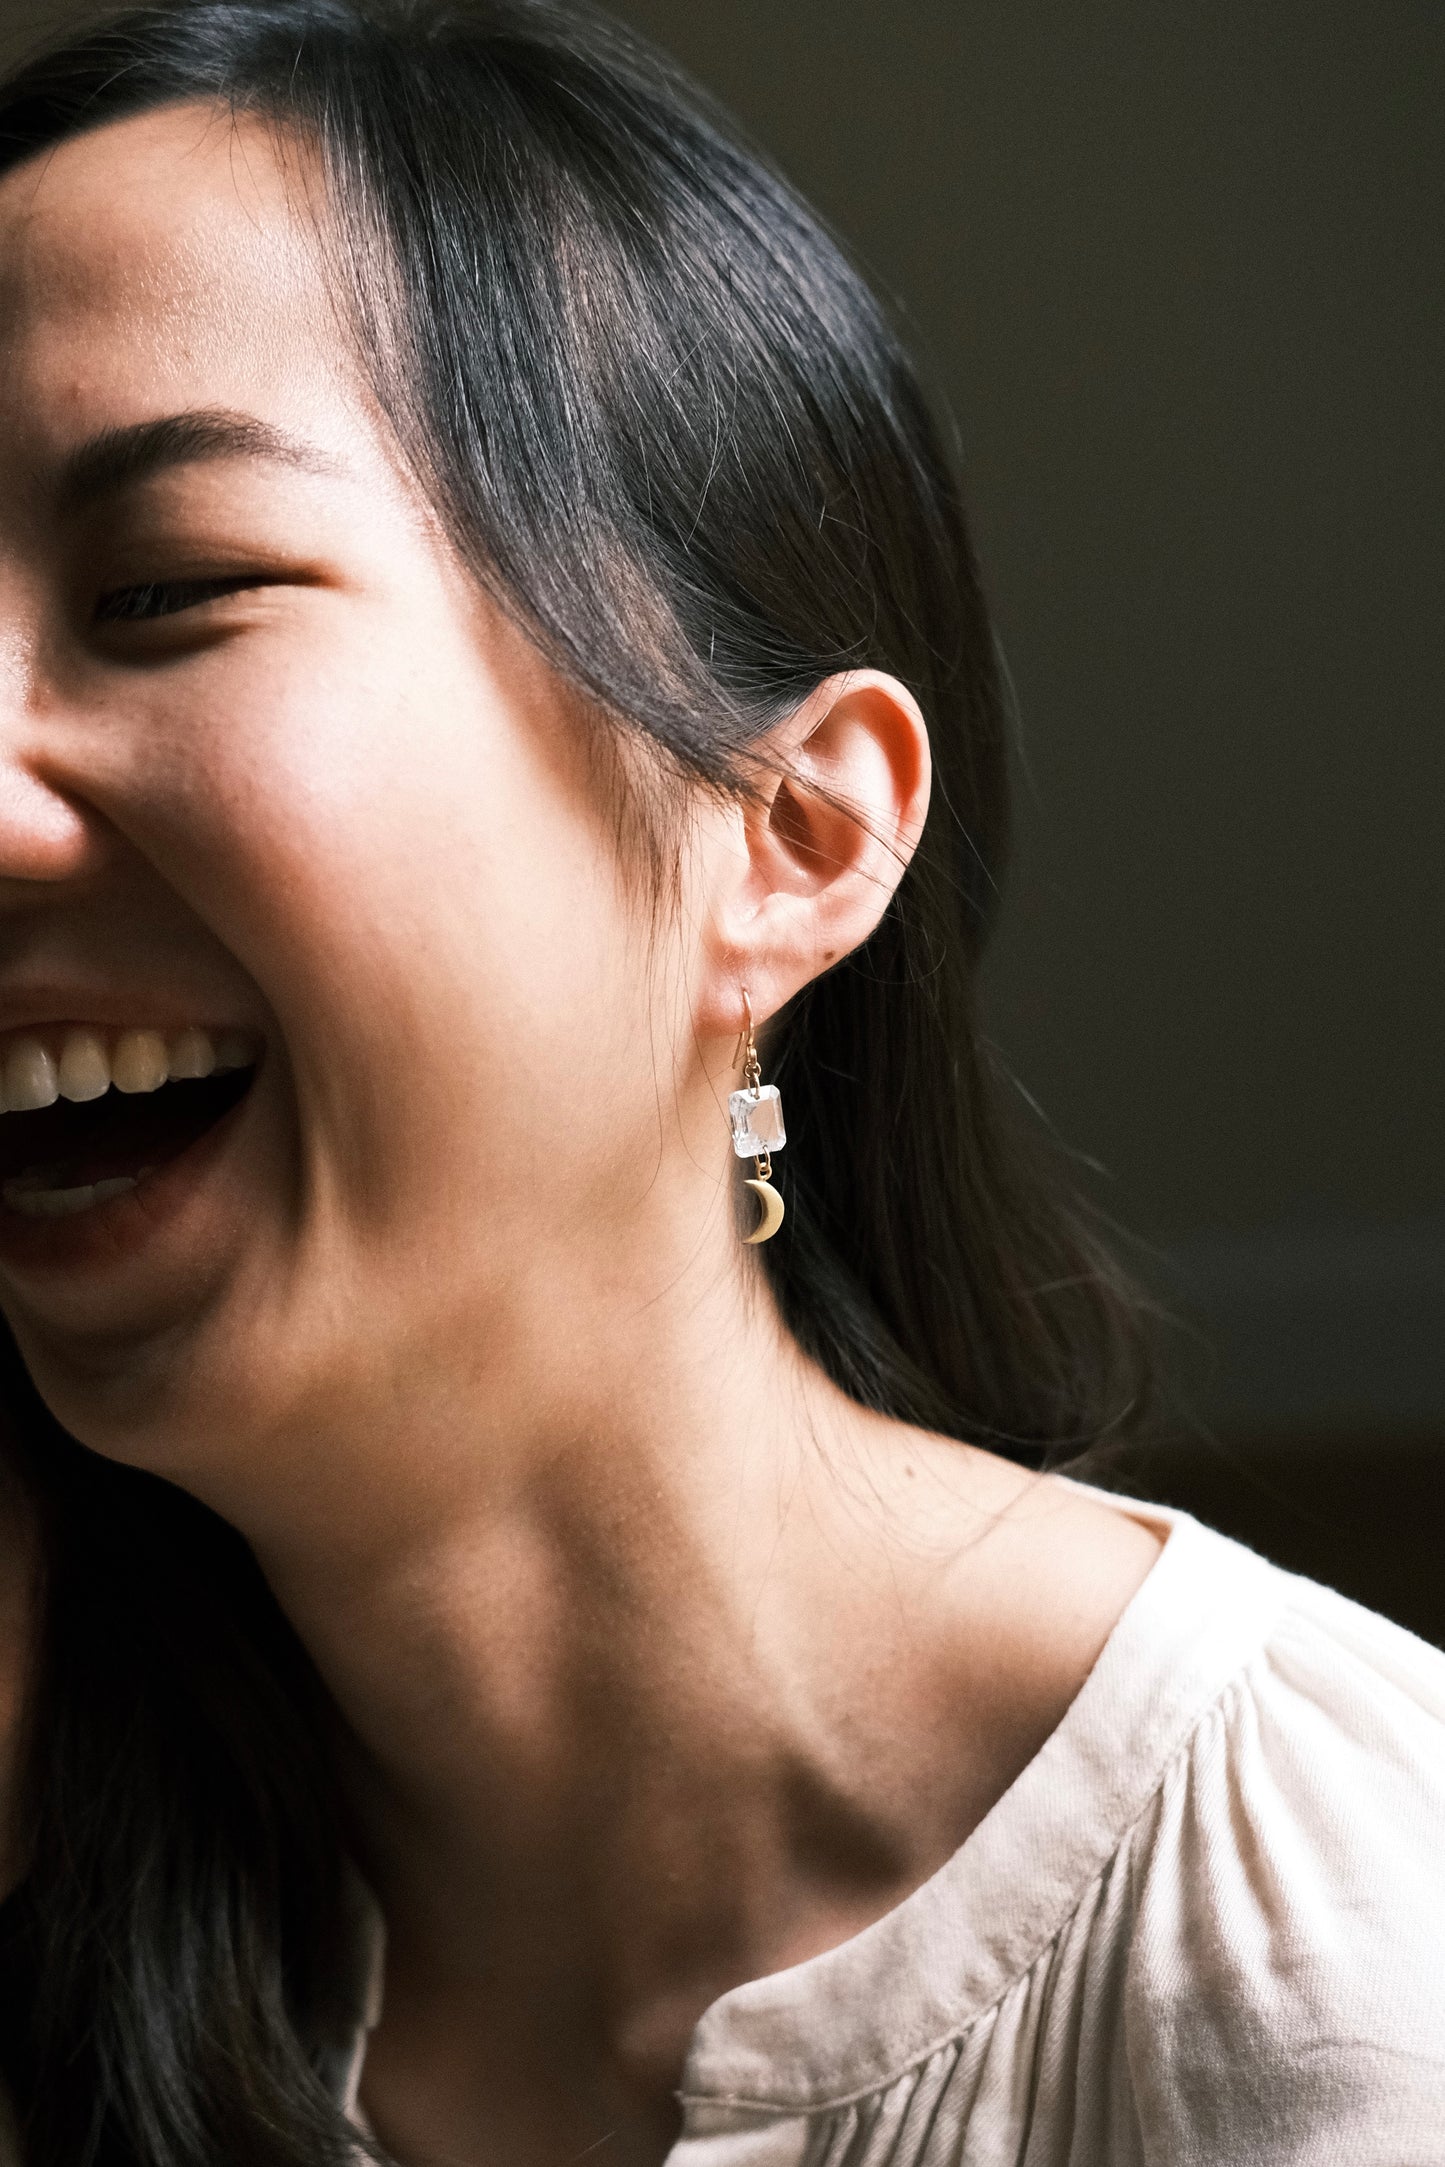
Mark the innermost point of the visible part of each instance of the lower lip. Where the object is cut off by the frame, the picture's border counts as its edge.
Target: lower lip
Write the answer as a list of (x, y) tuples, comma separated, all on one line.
[(114, 1232)]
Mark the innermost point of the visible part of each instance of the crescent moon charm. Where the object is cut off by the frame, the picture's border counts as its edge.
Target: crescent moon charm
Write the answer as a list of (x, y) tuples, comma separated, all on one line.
[(772, 1217)]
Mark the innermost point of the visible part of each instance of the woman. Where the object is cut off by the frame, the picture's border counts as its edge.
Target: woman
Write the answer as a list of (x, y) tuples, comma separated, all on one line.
[(505, 1664)]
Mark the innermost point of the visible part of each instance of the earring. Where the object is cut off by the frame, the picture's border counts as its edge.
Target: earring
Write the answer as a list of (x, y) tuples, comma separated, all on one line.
[(757, 1118)]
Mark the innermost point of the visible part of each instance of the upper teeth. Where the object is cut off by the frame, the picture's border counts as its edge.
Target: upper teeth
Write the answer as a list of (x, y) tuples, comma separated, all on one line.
[(84, 1063)]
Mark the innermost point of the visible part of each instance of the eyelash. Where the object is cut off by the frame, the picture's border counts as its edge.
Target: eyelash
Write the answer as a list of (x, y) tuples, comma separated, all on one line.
[(159, 598)]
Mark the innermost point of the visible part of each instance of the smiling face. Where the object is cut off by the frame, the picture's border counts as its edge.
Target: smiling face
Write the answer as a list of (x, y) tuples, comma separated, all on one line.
[(272, 772)]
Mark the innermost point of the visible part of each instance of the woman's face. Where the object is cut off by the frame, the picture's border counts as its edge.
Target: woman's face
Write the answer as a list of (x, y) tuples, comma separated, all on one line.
[(270, 768)]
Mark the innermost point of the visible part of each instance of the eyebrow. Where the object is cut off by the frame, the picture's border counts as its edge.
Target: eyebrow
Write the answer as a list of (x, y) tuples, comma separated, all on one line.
[(119, 459)]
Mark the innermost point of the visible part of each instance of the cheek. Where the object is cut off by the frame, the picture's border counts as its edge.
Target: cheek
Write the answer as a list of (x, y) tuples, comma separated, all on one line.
[(426, 895)]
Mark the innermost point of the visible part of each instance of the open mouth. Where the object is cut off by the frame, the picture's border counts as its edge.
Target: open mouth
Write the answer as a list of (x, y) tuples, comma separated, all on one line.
[(115, 1114)]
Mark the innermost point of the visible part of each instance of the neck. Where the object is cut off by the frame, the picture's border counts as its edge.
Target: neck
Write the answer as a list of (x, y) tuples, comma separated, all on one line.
[(613, 1675), (599, 1652)]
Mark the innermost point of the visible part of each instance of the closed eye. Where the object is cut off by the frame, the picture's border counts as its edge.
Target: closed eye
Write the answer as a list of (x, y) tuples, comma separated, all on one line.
[(166, 598)]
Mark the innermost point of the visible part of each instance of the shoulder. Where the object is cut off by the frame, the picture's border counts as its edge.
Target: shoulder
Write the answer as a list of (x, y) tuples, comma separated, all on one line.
[(1286, 1971), (1204, 1927)]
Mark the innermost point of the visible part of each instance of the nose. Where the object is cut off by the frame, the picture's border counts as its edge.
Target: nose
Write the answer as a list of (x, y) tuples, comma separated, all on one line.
[(45, 834), (47, 830)]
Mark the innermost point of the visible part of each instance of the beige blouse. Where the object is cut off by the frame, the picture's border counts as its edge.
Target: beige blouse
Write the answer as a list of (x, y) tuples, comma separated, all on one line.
[(1204, 1928)]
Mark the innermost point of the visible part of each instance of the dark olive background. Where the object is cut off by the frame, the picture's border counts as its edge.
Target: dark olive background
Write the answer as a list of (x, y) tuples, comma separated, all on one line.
[(1177, 272)]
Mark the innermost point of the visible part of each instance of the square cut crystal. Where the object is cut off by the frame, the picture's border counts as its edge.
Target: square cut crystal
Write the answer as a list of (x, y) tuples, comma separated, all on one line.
[(757, 1118)]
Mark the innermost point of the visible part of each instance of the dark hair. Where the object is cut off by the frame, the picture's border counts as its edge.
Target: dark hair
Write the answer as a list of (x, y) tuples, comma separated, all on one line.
[(673, 433)]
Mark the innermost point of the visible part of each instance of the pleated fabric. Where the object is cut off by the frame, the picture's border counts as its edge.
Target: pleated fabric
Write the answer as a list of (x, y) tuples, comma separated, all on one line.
[(1205, 1927)]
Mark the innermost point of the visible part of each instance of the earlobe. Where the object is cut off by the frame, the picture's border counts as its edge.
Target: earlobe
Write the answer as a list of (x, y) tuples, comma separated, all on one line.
[(841, 798)]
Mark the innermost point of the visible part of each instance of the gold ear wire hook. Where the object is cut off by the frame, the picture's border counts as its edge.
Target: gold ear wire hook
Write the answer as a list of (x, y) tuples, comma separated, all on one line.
[(745, 1035)]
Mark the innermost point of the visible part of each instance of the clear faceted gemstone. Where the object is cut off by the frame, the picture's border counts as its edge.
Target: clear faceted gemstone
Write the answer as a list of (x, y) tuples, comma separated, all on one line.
[(757, 1119)]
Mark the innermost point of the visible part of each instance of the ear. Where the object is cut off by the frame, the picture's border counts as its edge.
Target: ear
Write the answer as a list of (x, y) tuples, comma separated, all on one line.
[(809, 866)]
